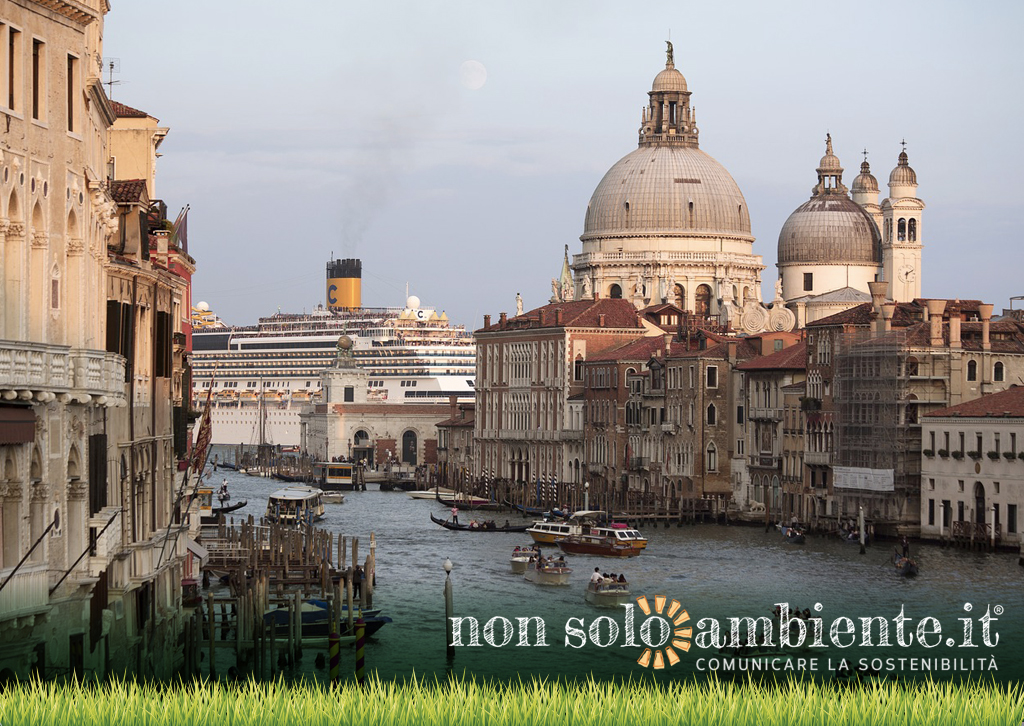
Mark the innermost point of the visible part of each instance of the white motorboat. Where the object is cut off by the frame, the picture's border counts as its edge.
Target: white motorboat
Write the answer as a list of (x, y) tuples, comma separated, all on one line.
[(548, 573), (607, 593), (521, 558), (295, 505), (431, 493)]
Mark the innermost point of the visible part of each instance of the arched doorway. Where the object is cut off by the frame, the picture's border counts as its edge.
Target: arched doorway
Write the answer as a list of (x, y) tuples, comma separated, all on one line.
[(409, 447), (615, 292), (679, 294), (979, 502), (702, 301)]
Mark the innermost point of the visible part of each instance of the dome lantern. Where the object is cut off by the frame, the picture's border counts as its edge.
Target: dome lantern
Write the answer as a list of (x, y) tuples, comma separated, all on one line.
[(903, 179), (668, 118), (830, 172)]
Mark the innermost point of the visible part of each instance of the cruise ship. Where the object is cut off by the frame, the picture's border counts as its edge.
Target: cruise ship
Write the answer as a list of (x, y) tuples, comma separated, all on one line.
[(270, 370)]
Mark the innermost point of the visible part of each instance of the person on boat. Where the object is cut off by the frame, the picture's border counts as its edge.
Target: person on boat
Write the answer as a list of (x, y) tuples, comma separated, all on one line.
[(357, 581), (905, 543), (507, 525), (622, 579), (455, 515), (596, 578)]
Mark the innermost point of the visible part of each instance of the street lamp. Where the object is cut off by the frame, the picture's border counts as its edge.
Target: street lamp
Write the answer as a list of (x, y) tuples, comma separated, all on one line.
[(586, 496), (449, 609)]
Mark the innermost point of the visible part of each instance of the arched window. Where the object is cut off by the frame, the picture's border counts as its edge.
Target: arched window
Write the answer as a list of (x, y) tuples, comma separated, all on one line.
[(409, 447), (712, 417), (912, 230), (997, 372), (702, 303), (615, 292), (711, 457), (680, 295), (901, 230), (972, 370)]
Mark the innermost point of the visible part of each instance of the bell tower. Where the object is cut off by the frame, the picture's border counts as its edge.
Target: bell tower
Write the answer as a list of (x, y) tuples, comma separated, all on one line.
[(901, 232)]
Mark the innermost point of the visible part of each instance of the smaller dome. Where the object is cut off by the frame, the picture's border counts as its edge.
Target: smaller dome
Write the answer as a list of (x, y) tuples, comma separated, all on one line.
[(829, 162), (865, 181), (412, 302), (669, 80), (903, 174), (344, 343)]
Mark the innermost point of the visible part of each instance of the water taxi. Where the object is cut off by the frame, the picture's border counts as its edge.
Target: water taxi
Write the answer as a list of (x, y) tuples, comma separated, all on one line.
[(548, 573), (337, 476), (597, 544), (521, 558), (607, 593), (586, 522), (295, 505)]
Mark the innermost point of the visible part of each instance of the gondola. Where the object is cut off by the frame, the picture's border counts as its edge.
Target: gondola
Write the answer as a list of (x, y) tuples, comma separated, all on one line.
[(792, 535), (904, 565), (215, 512), (468, 528)]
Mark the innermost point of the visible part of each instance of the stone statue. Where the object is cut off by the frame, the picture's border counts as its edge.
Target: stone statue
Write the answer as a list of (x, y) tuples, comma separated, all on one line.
[(663, 290), (587, 292), (638, 286), (519, 304), (671, 59), (778, 289), (554, 289), (567, 292)]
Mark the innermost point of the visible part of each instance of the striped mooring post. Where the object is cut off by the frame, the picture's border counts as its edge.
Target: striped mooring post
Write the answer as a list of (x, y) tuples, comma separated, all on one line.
[(360, 651), (334, 648)]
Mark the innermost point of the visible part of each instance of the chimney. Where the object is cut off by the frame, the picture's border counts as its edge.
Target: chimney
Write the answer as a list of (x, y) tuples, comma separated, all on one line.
[(985, 313), (954, 325), (935, 308), (487, 321), (668, 343), (879, 291), (600, 320), (502, 319), (597, 295), (453, 403), (731, 348), (543, 317), (887, 312), (558, 316)]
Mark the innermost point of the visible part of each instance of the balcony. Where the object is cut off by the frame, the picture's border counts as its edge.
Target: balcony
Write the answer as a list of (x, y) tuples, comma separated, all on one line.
[(107, 545), (38, 371), (639, 462), (768, 414), (28, 592), (818, 458)]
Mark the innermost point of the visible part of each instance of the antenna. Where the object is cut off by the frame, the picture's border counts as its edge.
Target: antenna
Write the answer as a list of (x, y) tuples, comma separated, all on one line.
[(113, 65)]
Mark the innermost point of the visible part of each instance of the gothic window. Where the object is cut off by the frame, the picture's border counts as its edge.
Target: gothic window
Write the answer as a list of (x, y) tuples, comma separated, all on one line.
[(972, 370), (997, 372), (912, 230), (712, 417), (711, 457)]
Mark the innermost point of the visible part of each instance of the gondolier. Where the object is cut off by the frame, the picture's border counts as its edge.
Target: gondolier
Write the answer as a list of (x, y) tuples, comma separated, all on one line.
[(455, 515)]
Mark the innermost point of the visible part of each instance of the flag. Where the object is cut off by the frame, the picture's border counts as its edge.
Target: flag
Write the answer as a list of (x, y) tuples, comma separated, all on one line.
[(179, 232), (201, 448)]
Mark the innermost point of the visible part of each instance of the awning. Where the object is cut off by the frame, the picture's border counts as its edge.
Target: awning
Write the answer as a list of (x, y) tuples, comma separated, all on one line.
[(17, 424)]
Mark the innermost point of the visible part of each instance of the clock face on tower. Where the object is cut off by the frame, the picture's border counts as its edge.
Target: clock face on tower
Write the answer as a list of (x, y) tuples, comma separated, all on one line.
[(906, 273)]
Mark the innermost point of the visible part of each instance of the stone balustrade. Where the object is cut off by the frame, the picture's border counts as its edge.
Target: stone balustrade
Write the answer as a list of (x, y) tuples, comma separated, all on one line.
[(27, 593), (40, 372)]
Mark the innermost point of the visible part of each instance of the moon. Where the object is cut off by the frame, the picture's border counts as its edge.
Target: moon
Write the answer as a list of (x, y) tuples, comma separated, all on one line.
[(472, 75)]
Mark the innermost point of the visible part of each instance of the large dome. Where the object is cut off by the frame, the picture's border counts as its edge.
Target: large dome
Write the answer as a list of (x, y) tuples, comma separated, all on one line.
[(667, 190), (829, 229)]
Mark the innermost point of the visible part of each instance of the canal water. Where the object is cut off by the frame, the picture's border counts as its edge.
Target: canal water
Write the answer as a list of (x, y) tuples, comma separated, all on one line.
[(714, 571)]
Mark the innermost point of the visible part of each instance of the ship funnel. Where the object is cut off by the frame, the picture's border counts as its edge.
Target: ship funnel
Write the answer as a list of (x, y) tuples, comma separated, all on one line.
[(344, 284)]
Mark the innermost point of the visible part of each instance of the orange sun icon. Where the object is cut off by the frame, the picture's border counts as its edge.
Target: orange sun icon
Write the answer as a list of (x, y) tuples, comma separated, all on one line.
[(681, 636)]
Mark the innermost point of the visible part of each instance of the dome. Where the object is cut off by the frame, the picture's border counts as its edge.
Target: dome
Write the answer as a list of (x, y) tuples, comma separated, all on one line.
[(667, 190), (344, 343), (669, 80), (903, 174), (829, 229), (865, 182)]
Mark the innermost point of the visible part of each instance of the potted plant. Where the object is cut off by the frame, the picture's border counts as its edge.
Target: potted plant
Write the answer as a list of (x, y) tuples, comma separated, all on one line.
[(958, 455), (929, 453), (1009, 455), (974, 454), (993, 455), (945, 453)]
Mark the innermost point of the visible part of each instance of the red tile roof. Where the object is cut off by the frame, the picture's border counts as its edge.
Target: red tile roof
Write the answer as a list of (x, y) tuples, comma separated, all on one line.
[(995, 405), (126, 191), (793, 358), (123, 111), (636, 350), (575, 314)]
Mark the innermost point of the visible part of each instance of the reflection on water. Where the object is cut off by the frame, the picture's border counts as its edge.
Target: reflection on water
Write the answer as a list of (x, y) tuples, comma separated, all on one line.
[(714, 571)]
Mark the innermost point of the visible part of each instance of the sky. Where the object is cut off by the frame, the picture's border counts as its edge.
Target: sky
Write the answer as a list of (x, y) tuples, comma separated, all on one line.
[(310, 129)]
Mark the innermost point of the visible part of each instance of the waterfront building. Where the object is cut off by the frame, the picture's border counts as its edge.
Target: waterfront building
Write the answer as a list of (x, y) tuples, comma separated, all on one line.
[(774, 456), (348, 421), (872, 372), (529, 373), (832, 246), (92, 348), (455, 446), (972, 470)]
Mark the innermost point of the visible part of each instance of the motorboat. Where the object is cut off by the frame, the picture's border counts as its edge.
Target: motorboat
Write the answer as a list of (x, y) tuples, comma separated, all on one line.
[(339, 476), (465, 501), (432, 493), (521, 558), (334, 498), (607, 593), (547, 573), (586, 522), (296, 505), (596, 544)]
